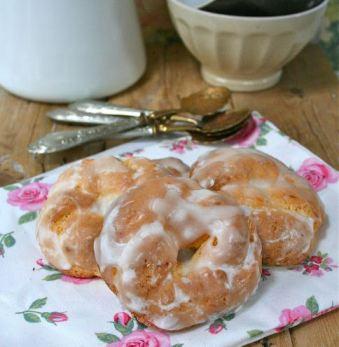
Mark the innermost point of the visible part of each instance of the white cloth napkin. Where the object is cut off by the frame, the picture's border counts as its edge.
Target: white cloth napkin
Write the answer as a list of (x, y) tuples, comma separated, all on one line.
[(41, 307)]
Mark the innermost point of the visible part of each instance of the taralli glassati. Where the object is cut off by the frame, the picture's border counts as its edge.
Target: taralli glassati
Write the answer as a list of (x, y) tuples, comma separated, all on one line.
[(73, 214), (281, 206), (179, 245), (177, 254)]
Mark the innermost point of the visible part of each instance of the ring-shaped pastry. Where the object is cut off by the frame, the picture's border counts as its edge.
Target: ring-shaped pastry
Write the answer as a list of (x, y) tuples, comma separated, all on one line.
[(176, 254), (72, 217), (281, 205)]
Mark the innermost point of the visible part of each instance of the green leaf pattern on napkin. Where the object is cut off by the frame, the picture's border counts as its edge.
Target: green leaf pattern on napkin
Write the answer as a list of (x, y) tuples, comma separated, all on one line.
[(32, 315), (27, 217), (6, 241), (254, 332), (130, 332)]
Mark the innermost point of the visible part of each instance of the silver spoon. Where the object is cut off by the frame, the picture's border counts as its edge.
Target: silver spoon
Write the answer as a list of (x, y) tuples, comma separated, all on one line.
[(207, 102)]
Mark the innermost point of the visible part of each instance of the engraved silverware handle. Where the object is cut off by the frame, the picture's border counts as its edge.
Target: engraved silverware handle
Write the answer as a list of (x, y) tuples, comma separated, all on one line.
[(99, 107), (79, 117), (61, 140)]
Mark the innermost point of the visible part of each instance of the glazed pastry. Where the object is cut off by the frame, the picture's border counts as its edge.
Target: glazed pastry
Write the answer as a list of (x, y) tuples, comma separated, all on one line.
[(176, 254), (283, 208), (73, 214)]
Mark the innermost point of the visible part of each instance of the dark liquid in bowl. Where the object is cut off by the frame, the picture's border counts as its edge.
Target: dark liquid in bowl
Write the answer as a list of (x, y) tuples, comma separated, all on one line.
[(260, 8)]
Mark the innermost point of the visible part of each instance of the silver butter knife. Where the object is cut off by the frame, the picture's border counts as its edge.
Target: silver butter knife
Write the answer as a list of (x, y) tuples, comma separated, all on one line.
[(61, 140), (77, 117), (106, 108)]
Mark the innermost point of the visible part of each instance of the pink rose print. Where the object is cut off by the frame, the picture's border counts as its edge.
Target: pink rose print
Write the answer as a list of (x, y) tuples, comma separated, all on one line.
[(316, 259), (130, 154), (215, 328), (248, 136), (288, 317), (220, 323), (40, 262), (56, 275), (29, 197), (180, 146), (122, 317), (317, 173), (265, 273), (128, 332), (75, 280), (143, 338), (56, 317), (291, 317), (317, 265)]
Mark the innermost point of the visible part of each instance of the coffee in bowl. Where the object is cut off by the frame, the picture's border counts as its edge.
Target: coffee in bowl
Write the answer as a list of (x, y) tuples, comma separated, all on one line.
[(260, 8)]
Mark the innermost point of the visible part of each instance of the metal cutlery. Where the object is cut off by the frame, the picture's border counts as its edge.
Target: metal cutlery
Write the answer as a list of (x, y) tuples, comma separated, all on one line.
[(208, 102), (219, 126), (206, 115), (77, 117)]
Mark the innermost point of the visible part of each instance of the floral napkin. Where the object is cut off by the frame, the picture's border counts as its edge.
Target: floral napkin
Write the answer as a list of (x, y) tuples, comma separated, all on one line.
[(39, 306)]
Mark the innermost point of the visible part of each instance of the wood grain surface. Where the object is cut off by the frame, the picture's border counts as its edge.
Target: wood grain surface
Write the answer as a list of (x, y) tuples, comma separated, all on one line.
[(304, 105)]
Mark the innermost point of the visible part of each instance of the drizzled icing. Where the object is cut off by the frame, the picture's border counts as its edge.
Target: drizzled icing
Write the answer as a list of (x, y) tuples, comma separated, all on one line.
[(85, 193), (173, 164), (179, 213), (269, 193), (53, 247)]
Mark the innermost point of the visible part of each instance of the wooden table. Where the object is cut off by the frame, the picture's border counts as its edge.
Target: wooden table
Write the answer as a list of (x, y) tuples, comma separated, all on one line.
[(304, 105)]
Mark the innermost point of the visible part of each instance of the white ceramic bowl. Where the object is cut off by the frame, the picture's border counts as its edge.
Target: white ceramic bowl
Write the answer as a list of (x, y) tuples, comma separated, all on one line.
[(244, 53)]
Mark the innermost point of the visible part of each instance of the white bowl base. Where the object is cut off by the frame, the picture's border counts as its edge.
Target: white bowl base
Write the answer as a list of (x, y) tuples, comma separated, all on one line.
[(241, 84)]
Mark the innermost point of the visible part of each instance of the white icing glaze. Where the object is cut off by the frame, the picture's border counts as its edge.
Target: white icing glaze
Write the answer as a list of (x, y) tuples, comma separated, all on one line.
[(53, 243), (108, 165), (205, 216), (200, 194), (185, 280), (68, 185), (138, 172), (128, 275), (290, 235), (76, 183), (173, 163), (231, 270), (134, 302), (168, 322), (146, 232), (173, 211), (279, 179), (206, 183), (108, 251), (54, 249), (103, 204), (179, 298)]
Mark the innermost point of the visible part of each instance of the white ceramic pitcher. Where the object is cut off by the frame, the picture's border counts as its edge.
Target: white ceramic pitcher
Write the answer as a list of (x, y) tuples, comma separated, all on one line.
[(64, 50)]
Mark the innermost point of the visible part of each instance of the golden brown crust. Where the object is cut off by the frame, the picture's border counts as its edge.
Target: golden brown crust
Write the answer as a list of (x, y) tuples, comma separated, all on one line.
[(185, 253), (80, 272), (283, 208), (72, 217)]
